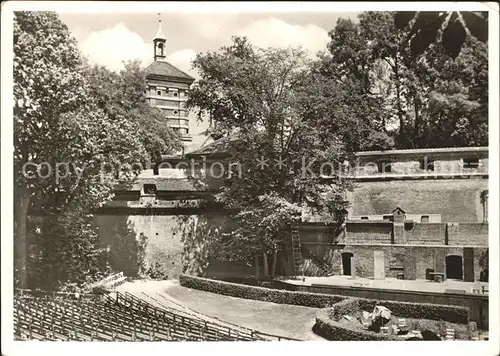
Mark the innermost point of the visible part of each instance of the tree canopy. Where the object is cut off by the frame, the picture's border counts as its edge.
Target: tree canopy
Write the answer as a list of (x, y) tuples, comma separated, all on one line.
[(419, 98), (286, 130)]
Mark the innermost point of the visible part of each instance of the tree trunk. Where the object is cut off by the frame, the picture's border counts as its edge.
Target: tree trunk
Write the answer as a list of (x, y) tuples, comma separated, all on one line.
[(21, 204), (398, 97), (275, 262), (416, 128), (266, 265), (257, 268)]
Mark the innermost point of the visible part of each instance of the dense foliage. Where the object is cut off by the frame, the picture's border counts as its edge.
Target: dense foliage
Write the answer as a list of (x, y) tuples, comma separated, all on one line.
[(287, 135), (421, 98)]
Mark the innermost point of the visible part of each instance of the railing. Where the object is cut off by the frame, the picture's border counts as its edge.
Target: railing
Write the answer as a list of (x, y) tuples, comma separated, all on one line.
[(124, 317)]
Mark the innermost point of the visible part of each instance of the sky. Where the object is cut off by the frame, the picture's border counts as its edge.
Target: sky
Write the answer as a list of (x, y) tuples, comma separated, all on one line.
[(113, 37), (110, 38)]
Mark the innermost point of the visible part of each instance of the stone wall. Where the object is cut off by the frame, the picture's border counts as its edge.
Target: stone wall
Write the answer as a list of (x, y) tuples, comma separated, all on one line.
[(457, 200), (163, 241)]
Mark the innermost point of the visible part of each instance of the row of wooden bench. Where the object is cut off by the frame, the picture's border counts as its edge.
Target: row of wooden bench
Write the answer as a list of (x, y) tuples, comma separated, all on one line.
[(118, 317)]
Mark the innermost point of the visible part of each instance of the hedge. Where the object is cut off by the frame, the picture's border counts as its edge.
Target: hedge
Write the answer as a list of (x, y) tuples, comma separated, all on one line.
[(314, 300), (333, 307), (334, 331), (328, 327), (452, 314)]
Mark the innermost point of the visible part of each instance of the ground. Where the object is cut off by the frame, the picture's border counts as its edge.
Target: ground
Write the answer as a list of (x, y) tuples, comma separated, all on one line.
[(277, 319), (392, 283)]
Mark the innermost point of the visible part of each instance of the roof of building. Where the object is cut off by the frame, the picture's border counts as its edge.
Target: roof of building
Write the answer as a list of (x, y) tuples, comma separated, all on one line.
[(165, 69), (423, 151), (164, 185), (220, 146)]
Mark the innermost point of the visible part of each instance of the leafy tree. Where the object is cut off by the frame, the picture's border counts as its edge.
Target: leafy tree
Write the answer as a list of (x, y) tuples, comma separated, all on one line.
[(424, 100), (425, 26), (121, 95), (272, 102), (61, 127), (353, 64)]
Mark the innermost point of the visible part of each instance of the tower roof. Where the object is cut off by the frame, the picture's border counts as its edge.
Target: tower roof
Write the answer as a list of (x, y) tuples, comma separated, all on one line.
[(159, 34), (165, 69)]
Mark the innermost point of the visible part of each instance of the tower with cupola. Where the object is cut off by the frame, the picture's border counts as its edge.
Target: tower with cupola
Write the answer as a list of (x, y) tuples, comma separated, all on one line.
[(167, 88)]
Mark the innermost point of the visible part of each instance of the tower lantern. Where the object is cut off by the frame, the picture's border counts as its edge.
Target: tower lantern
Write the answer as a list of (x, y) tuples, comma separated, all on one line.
[(159, 44)]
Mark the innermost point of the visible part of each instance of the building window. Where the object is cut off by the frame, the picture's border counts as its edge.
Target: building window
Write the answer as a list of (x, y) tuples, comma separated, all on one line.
[(427, 164), (176, 129), (175, 112), (149, 189), (471, 163), (384, 167), (175, 94), (364, 218), (424, 219), (158, 93), (388, 217)]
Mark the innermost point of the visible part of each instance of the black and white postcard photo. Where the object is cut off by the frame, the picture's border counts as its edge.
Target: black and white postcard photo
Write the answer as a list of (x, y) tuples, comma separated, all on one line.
[(175, 173)]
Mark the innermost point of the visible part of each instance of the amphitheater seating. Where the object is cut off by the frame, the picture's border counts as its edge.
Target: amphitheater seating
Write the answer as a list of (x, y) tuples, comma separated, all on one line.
[(115, 317)]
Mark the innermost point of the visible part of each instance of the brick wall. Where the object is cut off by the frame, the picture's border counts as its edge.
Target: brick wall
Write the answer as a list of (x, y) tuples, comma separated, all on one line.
[(425, 234), (368, 232), (413, 261), (468, 234)]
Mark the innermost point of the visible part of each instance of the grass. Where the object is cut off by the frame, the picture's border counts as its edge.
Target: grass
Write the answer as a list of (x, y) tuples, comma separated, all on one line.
[(279, 319)]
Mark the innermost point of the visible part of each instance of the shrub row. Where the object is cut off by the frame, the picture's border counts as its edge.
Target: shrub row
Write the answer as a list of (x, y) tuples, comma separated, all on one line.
[(334, 331), (345, 307), (315, 300)]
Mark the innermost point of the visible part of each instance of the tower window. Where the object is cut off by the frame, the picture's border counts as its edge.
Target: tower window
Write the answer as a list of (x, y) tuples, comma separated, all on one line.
[(471, 163)]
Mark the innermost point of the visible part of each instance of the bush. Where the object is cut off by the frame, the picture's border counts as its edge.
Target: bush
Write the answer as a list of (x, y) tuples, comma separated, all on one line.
[(346, 307), (328, 323), (451, 314), (314, 300), (332, 330)]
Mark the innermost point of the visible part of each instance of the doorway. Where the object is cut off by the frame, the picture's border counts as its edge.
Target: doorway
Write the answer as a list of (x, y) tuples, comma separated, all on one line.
[(454, 267), (346, 263)]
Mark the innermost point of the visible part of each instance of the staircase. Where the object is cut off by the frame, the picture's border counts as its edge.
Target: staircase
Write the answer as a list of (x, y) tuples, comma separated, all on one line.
[(296, 253)]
